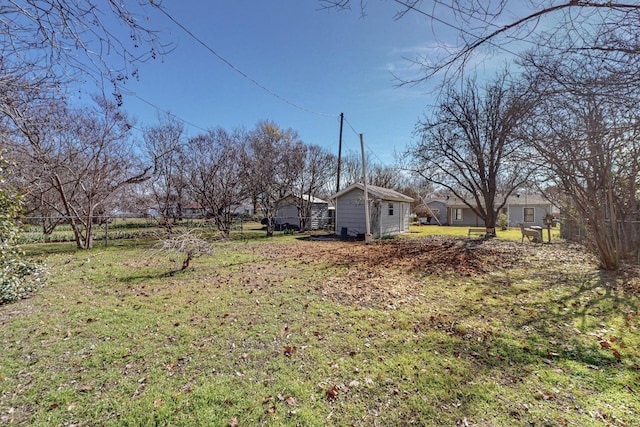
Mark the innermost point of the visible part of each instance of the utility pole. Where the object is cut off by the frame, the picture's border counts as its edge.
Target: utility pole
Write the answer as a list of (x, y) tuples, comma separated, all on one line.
[(367, 220), (339, 152)]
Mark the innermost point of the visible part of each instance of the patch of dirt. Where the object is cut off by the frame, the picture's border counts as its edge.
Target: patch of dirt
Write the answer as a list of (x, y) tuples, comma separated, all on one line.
[(391, 273), (435, 255)]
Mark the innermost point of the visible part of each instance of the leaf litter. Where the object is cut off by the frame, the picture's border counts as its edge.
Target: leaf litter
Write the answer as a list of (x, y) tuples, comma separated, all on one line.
[(392, 273)]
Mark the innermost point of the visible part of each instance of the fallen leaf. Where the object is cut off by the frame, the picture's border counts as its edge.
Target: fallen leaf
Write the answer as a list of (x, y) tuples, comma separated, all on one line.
[(291, 401), (604, 344), (288, 350), (158, 403), (233, 422), (332, 393)]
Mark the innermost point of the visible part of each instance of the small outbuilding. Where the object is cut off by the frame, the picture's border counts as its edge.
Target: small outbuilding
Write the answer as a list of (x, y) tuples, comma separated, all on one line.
[(290, 216), (389, 211)]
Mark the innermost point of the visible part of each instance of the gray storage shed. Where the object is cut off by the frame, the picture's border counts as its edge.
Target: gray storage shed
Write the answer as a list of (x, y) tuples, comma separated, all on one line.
[(389, 211)]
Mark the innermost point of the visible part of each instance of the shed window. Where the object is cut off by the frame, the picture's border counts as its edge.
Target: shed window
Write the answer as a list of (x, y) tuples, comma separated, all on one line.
[(528, 215), (390, 209), (457, 214)]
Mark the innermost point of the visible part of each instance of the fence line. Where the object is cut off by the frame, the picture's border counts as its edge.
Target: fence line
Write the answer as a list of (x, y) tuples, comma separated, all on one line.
[(115, 227)]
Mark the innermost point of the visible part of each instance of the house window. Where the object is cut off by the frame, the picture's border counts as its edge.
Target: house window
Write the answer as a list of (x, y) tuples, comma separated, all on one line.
[(528, 215), (390, 209), (457, 214)]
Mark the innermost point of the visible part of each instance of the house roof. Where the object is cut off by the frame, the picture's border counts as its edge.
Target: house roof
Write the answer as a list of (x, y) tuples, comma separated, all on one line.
[(429, 201), (375, 192), (308, 198)]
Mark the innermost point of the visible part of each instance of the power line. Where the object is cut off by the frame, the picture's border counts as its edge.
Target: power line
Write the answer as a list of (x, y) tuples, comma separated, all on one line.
[(127, 92), (367, 147), (236, 69)]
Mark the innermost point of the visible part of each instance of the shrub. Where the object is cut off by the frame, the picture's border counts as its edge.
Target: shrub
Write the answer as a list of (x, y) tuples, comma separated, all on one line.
[(187, 244), (18, 277)]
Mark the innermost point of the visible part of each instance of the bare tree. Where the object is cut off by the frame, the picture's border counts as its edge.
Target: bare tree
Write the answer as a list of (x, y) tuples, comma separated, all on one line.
[(52, 43), (215, 175), (471, 146), (84, 157), (384, 176), (598, 29), (351, 168), (165, 147), (585, 128), (273, 159), (318, 169), (377, 174)]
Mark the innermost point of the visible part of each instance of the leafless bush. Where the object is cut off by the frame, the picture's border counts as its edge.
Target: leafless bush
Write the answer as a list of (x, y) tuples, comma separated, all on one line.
[(187, 244)]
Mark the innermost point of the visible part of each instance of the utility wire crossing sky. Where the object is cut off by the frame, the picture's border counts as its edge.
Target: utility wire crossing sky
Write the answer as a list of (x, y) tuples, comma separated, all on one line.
[(237, 63)]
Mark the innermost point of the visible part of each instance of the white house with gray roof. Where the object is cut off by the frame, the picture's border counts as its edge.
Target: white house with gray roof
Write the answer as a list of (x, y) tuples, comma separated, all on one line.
[(528, 209), (389, 211)]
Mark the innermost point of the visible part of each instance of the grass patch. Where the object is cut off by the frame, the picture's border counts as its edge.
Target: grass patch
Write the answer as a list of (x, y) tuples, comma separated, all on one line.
[(288, 332)]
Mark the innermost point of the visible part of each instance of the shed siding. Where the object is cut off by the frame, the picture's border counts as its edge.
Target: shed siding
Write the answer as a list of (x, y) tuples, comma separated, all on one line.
[(287, 214), (319, 216), (350, 213), (396, 223)]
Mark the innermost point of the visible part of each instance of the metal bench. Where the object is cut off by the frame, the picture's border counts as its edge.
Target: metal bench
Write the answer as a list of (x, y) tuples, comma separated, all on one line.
[(471, 231)]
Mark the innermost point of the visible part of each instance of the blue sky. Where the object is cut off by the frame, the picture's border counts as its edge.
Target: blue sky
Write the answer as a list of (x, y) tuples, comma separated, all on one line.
[(325, 62)]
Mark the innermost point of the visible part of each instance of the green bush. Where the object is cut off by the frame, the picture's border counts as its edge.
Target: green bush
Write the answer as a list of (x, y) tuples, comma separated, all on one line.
[(18, 277)]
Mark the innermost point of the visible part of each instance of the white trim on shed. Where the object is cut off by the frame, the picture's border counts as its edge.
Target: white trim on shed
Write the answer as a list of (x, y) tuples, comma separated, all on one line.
[(389, 211)]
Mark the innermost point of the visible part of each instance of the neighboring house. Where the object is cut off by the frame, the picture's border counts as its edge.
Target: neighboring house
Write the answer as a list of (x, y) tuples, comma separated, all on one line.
[(437, 210), (193, 211), (528, 209), (389, 211), (244, 209), (288, 214)]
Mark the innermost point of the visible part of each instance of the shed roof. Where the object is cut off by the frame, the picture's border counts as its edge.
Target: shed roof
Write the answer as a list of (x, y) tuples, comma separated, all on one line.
[(375, 192), (313, 199)]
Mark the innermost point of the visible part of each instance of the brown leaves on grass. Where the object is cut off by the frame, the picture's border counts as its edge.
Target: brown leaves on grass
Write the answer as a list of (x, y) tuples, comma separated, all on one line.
[(332, 393), (432, 255), (389, 274), (289, 350), (607, 345)]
